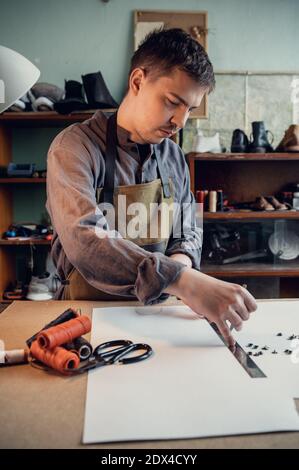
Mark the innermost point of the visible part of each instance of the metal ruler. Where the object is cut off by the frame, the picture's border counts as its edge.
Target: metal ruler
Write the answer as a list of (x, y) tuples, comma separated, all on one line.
[(242, 357)]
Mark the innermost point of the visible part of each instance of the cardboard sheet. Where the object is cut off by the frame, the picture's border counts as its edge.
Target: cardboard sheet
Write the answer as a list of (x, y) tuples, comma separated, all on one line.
[(191, 387), (143, 28)]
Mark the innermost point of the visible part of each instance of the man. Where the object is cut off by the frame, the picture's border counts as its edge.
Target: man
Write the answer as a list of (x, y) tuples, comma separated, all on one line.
[(131, 155)]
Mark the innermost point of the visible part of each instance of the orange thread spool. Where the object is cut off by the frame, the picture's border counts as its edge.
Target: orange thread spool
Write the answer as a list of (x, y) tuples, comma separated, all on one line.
[(64, 333), (58, 358)]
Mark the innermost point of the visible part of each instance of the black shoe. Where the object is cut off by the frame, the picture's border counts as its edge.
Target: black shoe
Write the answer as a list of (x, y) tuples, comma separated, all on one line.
[(239, 141), (74, 98), (259, 139), (97, 93)]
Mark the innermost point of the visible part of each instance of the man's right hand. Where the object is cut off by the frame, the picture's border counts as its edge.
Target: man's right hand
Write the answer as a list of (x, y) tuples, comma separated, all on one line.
[(216, 300)]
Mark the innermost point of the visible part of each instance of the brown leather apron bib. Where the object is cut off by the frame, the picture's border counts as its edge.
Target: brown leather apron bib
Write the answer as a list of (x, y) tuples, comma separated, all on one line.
[(154, 225)]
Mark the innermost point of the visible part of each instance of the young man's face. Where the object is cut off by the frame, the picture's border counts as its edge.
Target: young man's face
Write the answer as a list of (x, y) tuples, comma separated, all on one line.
[(162, 105)]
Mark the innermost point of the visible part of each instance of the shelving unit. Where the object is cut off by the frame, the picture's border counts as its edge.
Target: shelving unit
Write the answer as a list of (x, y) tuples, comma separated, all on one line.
[(243, 177), (223, 164), (9, 121)]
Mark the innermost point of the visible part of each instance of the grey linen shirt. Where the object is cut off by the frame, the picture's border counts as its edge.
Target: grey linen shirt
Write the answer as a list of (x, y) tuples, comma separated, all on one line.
[(76, 167)]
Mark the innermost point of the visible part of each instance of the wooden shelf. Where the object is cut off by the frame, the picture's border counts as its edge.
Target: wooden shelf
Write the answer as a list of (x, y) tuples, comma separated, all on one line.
[(252, 215), (22, 180), (244, 177), (46, 119), (10, 248), (242, 156), (285, 269), (24, 242)]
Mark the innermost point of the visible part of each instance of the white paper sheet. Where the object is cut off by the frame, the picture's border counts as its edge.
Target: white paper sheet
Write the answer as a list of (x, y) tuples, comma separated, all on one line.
[(270, 319), (191, 387)]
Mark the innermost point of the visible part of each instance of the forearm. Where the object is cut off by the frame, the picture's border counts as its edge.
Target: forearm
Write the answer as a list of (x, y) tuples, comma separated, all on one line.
[(183, 286), (115, 265), (182, 258), (108, 263), (178, 286)]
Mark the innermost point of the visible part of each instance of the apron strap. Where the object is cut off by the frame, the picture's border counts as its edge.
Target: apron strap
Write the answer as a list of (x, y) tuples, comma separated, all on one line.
[(110, 162), (162, 174)]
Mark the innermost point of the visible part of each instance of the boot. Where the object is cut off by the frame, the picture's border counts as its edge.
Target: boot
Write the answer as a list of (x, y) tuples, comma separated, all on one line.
[(97, 93), (290, 142), (44, 95), (239, 142), (74, 98), (259, 139)]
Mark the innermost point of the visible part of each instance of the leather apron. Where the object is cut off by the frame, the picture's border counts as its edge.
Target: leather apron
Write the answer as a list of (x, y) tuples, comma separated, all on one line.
[(158, 221)]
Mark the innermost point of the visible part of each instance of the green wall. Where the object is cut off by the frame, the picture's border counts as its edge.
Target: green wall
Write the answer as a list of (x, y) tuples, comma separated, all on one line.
[(67, 38)]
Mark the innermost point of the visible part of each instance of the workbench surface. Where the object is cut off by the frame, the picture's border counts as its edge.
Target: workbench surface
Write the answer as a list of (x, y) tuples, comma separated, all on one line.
[(43, 410)]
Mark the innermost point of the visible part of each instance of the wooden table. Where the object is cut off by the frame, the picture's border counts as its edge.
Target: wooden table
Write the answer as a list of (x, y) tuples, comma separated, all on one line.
[(43, 410)]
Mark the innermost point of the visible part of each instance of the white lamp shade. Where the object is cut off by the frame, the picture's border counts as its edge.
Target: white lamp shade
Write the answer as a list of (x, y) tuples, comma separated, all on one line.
[(17, 76)]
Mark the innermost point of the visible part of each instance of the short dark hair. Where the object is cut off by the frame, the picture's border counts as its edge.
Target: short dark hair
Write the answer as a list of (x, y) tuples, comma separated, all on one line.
[(166, 49)]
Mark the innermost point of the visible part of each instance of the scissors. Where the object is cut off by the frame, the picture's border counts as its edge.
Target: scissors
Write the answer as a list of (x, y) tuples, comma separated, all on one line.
[(114, 352)]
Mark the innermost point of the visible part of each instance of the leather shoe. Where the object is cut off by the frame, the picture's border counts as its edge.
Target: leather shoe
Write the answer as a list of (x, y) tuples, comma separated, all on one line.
[(290, 141), (259, 139), (278, 206), (261, 204)]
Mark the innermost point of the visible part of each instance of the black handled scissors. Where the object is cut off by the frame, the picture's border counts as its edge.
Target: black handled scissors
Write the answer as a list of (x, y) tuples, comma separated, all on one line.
[(113, 352)]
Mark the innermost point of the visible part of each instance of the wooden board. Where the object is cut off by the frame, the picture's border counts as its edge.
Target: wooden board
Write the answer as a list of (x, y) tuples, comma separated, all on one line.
[(46, 119), (186, 20), (286, 269)]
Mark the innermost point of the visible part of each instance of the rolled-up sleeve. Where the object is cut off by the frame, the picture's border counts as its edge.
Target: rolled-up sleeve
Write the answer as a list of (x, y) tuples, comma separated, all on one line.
[(187, 235), (110, 264)]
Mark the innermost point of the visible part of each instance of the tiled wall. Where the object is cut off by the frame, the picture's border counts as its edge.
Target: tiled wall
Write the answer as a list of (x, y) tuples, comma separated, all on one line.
[(240, 99)]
